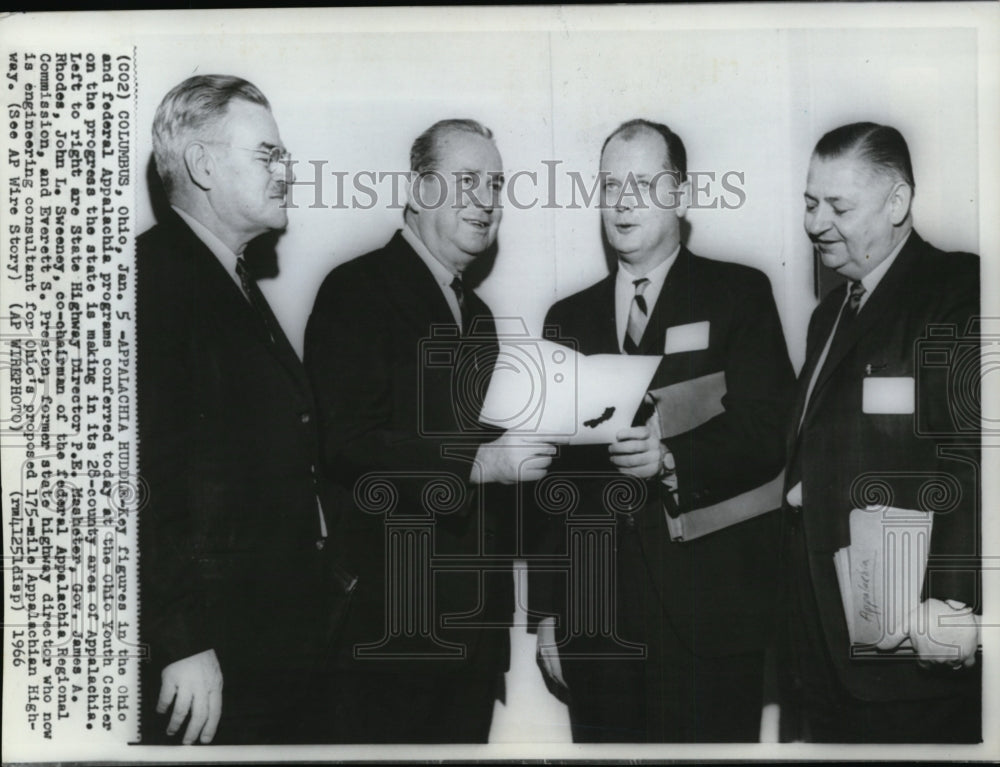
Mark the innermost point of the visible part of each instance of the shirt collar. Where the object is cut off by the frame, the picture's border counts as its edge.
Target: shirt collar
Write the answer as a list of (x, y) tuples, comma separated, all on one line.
[(874, 277), (656, 276), (219, 249), (441, 273), (625, 290), (443, 276)]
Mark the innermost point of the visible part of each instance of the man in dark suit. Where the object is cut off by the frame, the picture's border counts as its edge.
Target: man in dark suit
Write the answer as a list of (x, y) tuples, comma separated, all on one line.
[(887, 415), (231, 569), (431, 532), (691, 617)]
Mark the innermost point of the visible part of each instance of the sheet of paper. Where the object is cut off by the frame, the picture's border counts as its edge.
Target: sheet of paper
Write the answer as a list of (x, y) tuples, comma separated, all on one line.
[(541, 387)]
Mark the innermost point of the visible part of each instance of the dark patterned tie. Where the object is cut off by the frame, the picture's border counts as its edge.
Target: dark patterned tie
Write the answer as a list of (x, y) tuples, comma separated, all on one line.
[(256, 299), (855, 293), (459, 288), (638, 315)]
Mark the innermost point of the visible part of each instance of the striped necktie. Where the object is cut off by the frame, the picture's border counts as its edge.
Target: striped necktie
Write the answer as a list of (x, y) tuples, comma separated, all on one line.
[(857, 293), (638, 316)]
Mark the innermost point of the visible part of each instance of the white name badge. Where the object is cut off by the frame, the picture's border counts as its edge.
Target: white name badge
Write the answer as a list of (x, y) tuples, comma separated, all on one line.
[(686, 338), (888, 396)]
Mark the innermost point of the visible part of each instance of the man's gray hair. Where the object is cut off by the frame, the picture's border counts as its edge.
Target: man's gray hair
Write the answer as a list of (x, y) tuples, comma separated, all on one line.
[(424, 152), (191, 108)]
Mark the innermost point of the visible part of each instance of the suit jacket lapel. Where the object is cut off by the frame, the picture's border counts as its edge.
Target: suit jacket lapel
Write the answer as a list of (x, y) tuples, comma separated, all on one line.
[(282, 347), (412, 287), (826, 315), (605, 322), (882, 301), (594, 329), (664, 313), (226, 299)]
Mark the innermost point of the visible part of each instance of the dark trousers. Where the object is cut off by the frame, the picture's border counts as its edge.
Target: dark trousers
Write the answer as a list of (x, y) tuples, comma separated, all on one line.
[(369, 706), (815, 705), (684, 699), (670, 696)]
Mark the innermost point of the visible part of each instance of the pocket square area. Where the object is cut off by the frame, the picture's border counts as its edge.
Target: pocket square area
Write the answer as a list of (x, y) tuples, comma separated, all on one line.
[(687, 338), (888, 396)]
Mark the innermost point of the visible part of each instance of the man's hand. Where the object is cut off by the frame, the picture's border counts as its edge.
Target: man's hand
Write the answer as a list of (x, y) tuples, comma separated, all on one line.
[(194, 684), (514, 458), (945, 632), (547, 653), (639, 450)]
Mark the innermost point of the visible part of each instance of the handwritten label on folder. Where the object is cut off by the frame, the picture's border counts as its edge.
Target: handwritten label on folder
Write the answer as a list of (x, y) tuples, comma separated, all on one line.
[(881, 574)]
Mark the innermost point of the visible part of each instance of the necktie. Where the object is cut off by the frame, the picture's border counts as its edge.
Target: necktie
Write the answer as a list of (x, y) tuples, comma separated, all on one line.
[(856, 292), (472, 349), (459, 288), (256, 298), (638, 315)]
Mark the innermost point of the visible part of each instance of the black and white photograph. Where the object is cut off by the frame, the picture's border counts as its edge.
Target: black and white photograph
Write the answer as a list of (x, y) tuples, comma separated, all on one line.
[(558, 382)]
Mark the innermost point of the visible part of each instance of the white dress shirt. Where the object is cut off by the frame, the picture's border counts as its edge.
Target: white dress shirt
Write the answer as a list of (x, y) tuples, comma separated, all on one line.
[(625, 291), (219, 249), (443, 276)]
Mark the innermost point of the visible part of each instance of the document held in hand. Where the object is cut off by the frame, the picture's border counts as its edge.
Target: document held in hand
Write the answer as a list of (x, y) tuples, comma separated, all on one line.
[(881, 574), (684, 406), (544, 388)]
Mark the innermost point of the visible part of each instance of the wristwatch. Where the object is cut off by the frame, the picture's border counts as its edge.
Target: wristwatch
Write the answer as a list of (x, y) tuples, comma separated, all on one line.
[(668, 469)]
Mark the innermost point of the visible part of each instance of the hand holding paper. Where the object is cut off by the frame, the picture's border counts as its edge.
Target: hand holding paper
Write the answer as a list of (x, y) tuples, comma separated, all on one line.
[(513, 458), (945, 632), (881, 575), (638, 451)]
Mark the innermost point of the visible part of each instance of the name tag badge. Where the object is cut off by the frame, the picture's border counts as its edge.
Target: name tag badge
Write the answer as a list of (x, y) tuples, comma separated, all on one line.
[(686, 338), (888, 396)]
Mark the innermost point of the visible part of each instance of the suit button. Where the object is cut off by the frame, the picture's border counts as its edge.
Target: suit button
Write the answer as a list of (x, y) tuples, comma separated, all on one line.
[(305, 418)]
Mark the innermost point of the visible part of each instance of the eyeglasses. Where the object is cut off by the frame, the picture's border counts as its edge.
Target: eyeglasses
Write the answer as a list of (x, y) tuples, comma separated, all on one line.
[(274, 157)]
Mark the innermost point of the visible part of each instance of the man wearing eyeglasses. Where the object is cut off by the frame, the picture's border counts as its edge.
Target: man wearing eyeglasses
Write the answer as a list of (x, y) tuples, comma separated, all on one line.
[(232, 537)]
